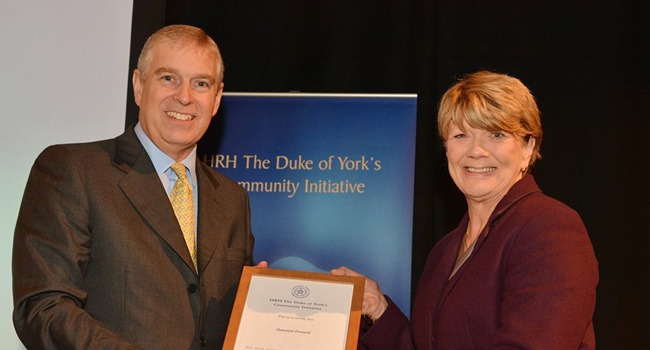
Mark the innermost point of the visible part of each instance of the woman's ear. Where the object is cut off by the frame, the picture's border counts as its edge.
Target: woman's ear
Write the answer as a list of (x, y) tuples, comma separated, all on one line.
[(529, 149)]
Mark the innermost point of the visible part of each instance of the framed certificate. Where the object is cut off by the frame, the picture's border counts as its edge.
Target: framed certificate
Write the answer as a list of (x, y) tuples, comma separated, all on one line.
[(294, 310)]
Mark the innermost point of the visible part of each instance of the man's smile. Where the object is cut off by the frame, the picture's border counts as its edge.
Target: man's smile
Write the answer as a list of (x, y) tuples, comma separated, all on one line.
[(179, 116)]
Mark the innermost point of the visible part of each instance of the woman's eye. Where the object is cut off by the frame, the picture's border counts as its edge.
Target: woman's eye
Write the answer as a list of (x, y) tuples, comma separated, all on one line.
[(498, 135)]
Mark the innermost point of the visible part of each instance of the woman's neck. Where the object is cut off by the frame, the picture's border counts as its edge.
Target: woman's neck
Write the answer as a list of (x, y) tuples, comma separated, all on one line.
[(479, 213)]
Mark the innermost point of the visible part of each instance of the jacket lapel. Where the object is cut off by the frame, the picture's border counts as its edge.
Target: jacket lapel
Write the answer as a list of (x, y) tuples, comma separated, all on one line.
[(141, 184), (449, 254), (210, 218)]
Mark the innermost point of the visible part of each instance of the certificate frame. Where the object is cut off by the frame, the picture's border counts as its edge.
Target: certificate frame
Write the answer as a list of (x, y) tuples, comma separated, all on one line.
[(237, 325)]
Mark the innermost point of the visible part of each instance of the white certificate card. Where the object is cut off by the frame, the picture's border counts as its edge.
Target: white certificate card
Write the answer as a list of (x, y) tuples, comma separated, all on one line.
[(291, 310)]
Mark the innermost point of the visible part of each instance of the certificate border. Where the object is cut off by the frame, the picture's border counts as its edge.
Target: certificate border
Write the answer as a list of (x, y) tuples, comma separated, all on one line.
[(245, 281)]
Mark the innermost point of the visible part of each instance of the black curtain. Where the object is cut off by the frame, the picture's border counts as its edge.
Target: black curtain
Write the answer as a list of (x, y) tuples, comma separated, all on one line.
[(586, 63)]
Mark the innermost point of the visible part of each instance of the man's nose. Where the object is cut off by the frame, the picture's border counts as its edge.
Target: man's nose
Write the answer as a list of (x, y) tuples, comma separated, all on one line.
[(184, 93)]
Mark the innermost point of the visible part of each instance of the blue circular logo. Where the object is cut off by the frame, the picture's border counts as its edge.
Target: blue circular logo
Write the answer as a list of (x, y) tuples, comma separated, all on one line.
[(300, 291)]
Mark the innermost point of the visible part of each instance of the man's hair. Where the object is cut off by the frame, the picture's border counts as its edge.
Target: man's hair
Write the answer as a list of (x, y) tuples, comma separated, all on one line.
[(492, 102), (180, 35)]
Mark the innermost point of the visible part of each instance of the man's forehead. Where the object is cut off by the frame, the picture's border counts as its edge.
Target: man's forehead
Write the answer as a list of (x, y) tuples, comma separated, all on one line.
[(182, 46), (183, 60), (192, 74)]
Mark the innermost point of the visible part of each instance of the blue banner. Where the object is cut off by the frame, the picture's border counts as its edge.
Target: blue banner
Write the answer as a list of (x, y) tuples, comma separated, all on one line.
[(330, 179)]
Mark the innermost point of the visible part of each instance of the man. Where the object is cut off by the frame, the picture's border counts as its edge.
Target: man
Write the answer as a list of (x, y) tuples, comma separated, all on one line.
[(100, 259)]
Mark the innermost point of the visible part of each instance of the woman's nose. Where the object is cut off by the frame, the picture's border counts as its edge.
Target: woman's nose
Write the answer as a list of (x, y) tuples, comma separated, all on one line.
[(477, 149)]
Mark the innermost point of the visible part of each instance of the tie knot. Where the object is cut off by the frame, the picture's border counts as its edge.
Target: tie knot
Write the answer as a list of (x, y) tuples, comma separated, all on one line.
[(179, 169)]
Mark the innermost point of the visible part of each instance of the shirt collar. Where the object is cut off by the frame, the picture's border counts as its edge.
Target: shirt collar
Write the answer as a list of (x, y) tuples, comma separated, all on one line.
[(160, 160)]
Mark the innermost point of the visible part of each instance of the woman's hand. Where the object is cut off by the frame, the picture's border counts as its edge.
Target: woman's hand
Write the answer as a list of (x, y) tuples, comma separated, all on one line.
[(374, 302)]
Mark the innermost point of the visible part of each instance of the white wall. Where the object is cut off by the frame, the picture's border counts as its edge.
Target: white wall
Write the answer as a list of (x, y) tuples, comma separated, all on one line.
[(63, 78)]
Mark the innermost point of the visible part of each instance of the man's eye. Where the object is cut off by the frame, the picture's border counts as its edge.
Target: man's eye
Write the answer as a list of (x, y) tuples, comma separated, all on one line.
[(202, 84)]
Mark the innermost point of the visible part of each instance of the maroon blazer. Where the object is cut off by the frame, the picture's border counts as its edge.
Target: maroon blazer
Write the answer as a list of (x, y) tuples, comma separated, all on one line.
[(530, 283)]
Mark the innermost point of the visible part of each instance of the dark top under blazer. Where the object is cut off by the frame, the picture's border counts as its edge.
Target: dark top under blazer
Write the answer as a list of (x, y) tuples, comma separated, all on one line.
[(530, 283), (99, 260)]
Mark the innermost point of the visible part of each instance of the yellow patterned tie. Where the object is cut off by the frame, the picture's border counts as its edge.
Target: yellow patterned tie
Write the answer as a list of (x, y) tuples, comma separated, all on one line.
[(181, 199)]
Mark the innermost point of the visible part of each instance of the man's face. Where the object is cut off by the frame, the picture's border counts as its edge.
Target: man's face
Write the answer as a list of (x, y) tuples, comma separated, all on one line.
[(178, 97)]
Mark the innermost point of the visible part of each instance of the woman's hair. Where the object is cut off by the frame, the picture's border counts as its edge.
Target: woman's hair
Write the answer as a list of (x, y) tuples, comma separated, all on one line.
[(180, 35), (492, 102)]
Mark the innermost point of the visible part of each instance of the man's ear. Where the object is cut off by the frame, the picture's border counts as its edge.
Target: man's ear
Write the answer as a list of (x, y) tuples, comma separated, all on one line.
[(217, 99), (137, 86)]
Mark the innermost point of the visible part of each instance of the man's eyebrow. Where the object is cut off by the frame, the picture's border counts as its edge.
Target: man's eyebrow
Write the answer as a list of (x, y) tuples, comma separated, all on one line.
[(207, 77), (163, 70)]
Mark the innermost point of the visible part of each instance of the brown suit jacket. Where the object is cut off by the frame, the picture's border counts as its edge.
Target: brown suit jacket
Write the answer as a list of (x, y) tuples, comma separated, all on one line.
[(99, 260)]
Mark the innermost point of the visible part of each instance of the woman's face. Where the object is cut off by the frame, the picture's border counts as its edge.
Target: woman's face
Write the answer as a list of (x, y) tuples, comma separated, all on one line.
[(484, 165)]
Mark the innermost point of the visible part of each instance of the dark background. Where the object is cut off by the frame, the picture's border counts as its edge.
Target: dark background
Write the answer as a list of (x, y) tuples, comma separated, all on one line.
[(585, 62)]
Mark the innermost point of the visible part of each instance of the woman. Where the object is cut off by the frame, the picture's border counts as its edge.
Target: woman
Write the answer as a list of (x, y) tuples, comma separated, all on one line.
[(519, 271)]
